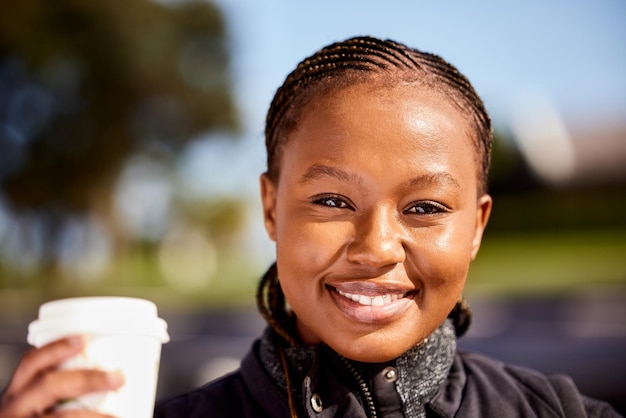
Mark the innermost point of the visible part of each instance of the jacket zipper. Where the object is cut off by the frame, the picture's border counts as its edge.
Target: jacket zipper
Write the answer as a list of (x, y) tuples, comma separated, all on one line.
[(365, 390)]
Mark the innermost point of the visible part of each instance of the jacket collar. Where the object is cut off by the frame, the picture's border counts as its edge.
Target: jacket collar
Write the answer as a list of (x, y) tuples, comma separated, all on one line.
[(320, 373)]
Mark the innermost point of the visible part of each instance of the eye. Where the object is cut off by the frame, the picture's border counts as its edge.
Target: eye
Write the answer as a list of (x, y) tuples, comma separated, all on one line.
[(426, 208), (332, 201)]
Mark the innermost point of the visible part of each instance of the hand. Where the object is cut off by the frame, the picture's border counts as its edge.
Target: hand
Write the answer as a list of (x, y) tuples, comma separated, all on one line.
[(38, 384)]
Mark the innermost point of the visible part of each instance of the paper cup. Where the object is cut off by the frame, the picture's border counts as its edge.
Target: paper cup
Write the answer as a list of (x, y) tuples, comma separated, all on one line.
[(122, 334)]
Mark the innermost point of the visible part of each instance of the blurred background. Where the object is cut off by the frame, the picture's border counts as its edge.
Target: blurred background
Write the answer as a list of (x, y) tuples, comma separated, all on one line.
[(131, 141)]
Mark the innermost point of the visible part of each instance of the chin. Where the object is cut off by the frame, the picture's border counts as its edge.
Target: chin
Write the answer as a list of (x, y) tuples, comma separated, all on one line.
[(369, 357), (372, 351)]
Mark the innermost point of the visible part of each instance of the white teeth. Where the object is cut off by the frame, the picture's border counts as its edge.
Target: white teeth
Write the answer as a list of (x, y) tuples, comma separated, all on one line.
[(380, 300), (365, 300)]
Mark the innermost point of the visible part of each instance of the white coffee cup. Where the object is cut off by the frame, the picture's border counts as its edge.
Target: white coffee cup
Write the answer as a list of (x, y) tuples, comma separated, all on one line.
[(123, 334)]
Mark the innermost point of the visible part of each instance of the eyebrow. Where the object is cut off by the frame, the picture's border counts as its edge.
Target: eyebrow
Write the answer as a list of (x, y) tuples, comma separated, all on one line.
[(318, 171), (438, 178)]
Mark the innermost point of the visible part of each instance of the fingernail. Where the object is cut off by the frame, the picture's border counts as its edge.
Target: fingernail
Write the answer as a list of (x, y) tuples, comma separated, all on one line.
[(115, 379)]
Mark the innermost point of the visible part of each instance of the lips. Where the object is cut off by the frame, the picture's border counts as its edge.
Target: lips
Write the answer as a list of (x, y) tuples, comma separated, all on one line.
[(372, 303)]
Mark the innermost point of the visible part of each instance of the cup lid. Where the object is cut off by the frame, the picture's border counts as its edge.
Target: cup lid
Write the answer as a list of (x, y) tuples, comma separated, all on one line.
[(96, 316)]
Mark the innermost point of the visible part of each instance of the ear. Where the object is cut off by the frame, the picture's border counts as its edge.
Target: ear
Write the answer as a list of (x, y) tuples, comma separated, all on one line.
[(483, 210), (268, 200)]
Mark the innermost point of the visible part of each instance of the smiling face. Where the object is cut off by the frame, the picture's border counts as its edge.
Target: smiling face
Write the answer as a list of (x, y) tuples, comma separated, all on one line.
[(376, 218)]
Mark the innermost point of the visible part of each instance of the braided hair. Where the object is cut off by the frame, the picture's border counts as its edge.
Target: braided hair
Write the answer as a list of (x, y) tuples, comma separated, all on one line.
[(271, 303), (361, 59), (353, 61)]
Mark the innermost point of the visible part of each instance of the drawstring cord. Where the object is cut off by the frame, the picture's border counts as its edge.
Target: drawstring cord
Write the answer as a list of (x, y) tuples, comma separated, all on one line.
[(283, 359)]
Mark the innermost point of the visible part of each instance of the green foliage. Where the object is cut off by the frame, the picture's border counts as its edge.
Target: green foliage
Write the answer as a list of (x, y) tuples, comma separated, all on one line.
[(99, 80), (221, 217), (540, 262)]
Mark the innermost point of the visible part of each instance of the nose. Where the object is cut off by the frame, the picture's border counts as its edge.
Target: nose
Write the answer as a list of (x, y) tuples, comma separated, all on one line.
[(379, 239)]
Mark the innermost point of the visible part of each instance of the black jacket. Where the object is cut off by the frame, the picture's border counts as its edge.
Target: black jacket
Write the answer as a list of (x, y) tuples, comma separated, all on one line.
[(476, 386)]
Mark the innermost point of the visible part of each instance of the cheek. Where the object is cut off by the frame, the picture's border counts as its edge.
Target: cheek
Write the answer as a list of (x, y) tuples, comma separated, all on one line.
[(444, 257), (311, 245)]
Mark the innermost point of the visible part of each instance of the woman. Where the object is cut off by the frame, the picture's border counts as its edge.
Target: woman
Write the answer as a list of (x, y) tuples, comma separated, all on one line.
[(375, 195)]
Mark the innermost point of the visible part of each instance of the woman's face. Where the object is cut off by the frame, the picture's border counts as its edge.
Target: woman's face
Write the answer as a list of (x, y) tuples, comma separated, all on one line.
[(376, 218)]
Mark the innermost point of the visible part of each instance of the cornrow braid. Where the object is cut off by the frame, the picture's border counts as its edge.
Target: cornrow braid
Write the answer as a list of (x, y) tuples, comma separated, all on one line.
[(354, 60), (461, 316), (272, 306)]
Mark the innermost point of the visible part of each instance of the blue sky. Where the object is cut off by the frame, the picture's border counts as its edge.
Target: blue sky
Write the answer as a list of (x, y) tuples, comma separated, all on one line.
[(573, 51)]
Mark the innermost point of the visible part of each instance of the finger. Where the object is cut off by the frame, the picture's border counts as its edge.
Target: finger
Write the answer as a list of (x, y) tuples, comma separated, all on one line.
[(38, 360), (53, 387)]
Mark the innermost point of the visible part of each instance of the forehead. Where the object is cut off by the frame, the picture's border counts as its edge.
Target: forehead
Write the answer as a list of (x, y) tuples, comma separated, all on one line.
[(415, 111), (385, 127)]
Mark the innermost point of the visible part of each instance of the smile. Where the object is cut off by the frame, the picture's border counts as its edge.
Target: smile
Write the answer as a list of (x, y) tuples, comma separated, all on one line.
[(373, 304), (368, 300)]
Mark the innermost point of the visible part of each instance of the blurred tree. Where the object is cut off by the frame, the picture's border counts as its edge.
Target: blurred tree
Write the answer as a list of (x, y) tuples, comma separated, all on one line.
[(509, 173), (86, 84), (524, 202)]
